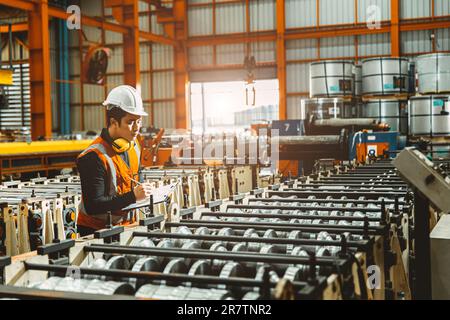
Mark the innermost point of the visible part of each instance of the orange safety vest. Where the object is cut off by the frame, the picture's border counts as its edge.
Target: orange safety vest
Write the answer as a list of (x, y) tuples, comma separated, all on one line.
[(119, 175)]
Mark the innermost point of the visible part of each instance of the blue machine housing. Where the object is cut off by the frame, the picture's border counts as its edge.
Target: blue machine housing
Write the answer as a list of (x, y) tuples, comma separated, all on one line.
[(393, 138)]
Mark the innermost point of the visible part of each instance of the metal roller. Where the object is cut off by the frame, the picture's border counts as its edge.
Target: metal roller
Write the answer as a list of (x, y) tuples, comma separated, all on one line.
[(296, 273), (293, 235), (93, 286), (145, 243), (191, 245), (307, 140), (148, 264), (323, 252), (150, 291), (252, 295), (218, 247), (174, 266), (299, 252), (118, 263), (252, 246), (270, 233), (231, 270), (109, 288), (200, 267), (202, 231), (240, 247)]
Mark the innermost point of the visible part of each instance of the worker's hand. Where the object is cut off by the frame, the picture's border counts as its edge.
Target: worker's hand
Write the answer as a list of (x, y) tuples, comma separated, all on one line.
[(142, 191)]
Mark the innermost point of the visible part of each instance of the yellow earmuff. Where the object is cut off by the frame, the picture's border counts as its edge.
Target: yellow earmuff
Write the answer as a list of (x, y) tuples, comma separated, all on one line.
[(121, 145)]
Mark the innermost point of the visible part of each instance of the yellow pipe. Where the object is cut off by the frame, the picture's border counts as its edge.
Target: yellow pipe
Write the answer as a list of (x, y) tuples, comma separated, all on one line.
[(13, 148)]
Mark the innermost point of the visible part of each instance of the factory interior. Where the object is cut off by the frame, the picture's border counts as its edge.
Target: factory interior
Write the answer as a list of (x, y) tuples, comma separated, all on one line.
[(225, 150)]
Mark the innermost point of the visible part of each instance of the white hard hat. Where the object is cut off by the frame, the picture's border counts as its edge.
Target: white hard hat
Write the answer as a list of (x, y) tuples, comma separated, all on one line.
[(126, 98)]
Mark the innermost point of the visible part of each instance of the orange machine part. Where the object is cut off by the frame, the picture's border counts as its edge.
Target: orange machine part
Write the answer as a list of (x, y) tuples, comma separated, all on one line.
[(150, 149), (362, 150), (163, 156), (286, 166)]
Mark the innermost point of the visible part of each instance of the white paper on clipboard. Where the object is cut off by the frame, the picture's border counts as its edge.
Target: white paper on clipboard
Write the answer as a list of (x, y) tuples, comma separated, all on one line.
[(159, 195)]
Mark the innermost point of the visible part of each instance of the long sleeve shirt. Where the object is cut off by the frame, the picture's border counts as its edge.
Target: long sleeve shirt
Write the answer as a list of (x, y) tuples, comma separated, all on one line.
[(95, 183)]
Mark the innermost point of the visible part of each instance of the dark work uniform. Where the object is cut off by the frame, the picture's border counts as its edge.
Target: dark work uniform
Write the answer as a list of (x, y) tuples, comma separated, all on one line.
[(95, 183)]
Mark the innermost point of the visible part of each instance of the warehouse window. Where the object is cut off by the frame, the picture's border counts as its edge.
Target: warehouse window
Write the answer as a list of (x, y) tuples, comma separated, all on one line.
[(232, 106)]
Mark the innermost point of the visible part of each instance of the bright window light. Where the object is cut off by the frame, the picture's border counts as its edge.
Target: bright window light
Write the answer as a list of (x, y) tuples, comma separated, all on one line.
[(228, 106)]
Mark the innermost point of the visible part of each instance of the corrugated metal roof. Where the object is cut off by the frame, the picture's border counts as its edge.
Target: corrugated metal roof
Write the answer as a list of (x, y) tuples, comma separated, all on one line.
[(200, 21), (107, 11), (93, 93), (115, 62), (54, 74), (201, 56), (155, 27), (230, 18), (17, 113), (92, 34), (337, 47), (75, 93), (415, 8), (297, 77), (441, 7), (415, 41), (230, 53), (94, 118), (113, 81), (143, 6), (336, 12), (293, 107), (371, 10), (301, 49), (443, 39), (75, 118), (113, 37), (91, 8), (163, 85), (164, 113), (198, 1), (146, 86), (146, 121), (300, 13), (374, 44), (15, 52), (144, 23), (262, 15), (162, 56), (264, 51), (144, 56), (74, 61), (73, 38)]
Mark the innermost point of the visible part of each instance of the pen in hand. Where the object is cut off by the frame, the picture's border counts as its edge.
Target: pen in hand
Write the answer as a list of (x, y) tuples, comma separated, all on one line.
[(137, 182)]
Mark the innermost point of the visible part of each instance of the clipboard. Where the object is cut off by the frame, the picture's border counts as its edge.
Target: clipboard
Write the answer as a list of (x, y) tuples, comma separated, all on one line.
[(160, 194)]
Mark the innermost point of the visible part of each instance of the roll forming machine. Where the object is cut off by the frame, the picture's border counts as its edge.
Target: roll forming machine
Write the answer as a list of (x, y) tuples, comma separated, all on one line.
[(312, 237)]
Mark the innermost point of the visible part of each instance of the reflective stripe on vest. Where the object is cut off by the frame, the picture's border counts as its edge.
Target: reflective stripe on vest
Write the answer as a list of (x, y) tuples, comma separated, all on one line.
[(99, 221), (112, 168), (138, 153)]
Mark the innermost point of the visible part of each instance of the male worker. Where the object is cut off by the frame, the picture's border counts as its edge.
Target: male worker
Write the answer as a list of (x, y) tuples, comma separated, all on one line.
[(109, 167)]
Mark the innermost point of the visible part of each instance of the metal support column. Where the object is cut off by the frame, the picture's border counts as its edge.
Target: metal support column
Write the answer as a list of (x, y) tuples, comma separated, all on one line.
[(180, 63), (422, 261), (281, 58), (131, 45), (395, 28), (38, 37)]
